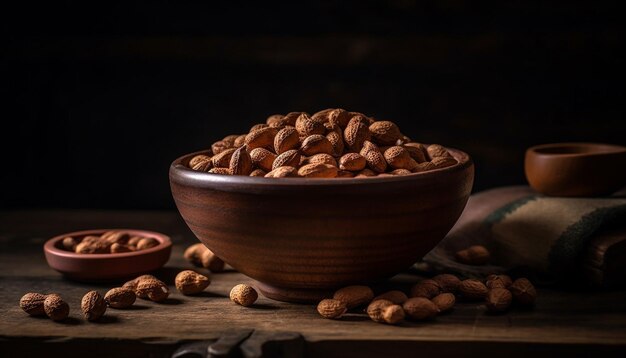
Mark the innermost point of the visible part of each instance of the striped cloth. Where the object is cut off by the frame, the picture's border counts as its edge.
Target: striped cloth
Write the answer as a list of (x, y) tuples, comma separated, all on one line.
[(523, 229)]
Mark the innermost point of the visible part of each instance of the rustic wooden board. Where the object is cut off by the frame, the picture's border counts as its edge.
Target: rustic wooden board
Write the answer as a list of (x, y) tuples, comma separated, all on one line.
[(561, 322)]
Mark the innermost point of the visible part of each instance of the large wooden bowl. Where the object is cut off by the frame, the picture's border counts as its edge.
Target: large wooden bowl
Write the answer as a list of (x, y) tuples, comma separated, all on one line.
[(301, 238)]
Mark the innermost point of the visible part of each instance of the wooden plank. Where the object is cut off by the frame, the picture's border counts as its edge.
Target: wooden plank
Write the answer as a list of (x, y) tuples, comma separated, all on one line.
[(560, 320)]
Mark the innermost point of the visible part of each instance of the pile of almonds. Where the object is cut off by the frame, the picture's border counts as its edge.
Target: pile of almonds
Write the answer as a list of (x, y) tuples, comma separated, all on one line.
[(148, 287), (430, 297), (110, 242), (332, 143)]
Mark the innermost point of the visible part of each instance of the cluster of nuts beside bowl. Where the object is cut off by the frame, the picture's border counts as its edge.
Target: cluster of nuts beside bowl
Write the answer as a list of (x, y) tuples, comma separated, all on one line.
[(110, 242), (430, 297), (147, 287), (332, 143)]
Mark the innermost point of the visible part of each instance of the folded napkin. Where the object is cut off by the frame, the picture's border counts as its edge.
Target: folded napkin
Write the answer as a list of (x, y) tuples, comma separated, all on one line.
[(548, 236)]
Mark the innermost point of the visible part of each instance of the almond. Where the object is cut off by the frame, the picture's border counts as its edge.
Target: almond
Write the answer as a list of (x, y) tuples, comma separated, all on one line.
[(322, 116), (385, 132), (416, 151), (339, 117), (286, 139), (498, 281), (444, 301), (253, 128), (420, 308), (220, 146), (423, 167), (473, 255), (366, 173), (289, 158), (447, 282), (335, 137), (222, 160), (354, 296), (306, 126), (321, 158), (258, 173), (523, 292), (222, 171), (317, 171), (352, 162), (291, 118), (384, 311), (344, 174), (443, 162), (282, 172), (189, 282), (276, 120), (436, 150), (315, 144), (240, 162), (261, 138), (499, 300), (426, 288), (240, 141), (398, 158), (230, 140), (356, 133), (374, 158), (198, 159), (262, 158), (120, 297), (331, 308), (473, 289), (395, 296), (400, 172)]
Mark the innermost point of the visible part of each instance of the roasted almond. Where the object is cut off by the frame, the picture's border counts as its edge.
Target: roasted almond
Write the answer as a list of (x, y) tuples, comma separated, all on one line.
[(356, 133), (385, 132), (286, 139), (282, 172), (261, 138), (352, 162), (374, 158), (262, 158), (315, 144), (306, 126), (222, 160), (317, 171), (289, 158), (240, 162), (399, 158)]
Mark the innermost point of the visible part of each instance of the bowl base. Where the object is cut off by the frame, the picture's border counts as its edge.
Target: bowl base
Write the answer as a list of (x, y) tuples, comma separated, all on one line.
[(294, 295)]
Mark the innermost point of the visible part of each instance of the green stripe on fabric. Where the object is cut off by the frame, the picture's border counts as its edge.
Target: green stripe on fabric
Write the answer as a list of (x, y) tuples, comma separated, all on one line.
[(500, 213), (567, 248)]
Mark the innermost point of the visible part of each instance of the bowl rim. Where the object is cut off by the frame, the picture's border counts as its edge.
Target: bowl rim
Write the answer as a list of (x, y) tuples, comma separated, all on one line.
[(593, 149), (49, 246), (180, 171)]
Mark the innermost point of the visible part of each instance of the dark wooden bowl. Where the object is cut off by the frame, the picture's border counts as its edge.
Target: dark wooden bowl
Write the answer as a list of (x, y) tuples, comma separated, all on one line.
[(301, 238), (576, 169), (107, 267)]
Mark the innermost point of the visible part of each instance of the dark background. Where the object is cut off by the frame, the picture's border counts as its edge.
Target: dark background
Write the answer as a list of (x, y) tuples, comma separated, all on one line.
[(99, 98)]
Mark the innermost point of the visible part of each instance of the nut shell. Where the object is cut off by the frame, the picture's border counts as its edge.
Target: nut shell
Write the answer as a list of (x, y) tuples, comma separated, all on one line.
[(354, 296), (499, 300), (420, 308), (523, 292), (189, 282), (55, 307), (426, 288), (93, 306), (243, 295), (395, 296), (444, 301), (331, 308), (152, 289), (32, 303), (447, 282), (473, 289), (120, 297)]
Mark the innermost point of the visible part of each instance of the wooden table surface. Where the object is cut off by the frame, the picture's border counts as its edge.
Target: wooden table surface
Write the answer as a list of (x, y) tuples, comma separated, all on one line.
[(576, 323)]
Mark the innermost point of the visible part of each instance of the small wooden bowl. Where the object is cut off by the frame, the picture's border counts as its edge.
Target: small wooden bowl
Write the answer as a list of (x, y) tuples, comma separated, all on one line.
[(576, 169), (105, 267), (301, 238)]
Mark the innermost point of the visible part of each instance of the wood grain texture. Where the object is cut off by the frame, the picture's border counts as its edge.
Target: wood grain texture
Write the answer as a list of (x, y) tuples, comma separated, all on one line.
[(296, 234), (575, 323)]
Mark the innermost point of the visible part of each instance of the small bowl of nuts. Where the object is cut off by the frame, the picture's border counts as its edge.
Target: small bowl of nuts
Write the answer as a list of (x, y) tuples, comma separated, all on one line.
[(305, 203), (103, 255)]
